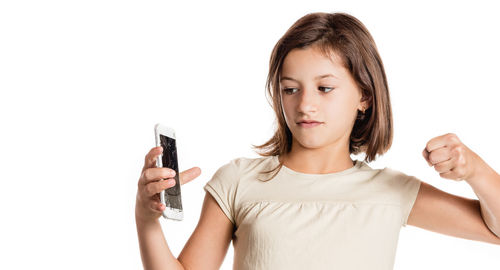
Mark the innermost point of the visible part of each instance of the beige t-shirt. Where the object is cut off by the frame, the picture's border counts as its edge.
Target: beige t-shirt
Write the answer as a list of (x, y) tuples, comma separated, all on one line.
[(345, 220)]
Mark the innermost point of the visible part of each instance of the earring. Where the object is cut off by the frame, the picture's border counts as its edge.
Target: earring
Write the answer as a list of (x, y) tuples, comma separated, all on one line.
[(362, 115)]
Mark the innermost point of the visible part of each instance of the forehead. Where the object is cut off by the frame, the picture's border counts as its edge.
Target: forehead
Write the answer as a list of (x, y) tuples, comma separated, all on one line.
[(308, 63)]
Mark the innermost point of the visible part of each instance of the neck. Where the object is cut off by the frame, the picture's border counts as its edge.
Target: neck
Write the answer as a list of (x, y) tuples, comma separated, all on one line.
[(324, 160)]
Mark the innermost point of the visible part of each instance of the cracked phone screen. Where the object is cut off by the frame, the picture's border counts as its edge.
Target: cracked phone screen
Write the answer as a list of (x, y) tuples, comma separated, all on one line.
[(169, 160)]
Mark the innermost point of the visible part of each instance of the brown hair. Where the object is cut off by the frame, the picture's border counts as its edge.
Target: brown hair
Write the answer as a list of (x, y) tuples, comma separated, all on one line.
[(345, 36)]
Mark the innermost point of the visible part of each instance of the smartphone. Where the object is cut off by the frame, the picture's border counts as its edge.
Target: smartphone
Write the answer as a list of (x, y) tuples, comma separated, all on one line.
[(171, 197)]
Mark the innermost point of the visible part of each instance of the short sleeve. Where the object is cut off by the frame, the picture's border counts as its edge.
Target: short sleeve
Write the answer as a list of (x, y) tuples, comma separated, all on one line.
[(222, 187), (410, 186)]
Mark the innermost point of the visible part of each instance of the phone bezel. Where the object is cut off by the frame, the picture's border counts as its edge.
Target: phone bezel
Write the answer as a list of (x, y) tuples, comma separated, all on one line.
[(161, 129)]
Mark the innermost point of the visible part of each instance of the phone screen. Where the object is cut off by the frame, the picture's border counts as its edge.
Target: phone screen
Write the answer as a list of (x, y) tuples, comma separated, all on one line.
[(169, 159)]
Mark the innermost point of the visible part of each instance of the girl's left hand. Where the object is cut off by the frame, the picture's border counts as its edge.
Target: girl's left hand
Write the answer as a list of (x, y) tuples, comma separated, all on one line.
[(450, 157)]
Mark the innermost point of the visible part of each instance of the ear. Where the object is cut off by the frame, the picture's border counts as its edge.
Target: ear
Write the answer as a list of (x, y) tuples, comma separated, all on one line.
[(365, 103)]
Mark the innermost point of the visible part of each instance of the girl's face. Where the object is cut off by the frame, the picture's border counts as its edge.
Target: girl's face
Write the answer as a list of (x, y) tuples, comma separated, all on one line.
[(314, 87)]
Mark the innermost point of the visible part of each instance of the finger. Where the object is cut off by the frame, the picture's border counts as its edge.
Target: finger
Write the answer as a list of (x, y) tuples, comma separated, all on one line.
[(426, 156), (150, 159), (445, 166), (155, 174), (439, 155), (188, 175), (156, 187), (437, 142), (157, 206)]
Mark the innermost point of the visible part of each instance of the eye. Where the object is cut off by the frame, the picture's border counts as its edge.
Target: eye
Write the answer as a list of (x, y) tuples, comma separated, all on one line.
[(288, 90), (330, 88)]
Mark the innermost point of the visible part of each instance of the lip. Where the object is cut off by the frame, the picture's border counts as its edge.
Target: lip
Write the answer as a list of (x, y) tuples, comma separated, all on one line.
[(308, 121), (309, 125)]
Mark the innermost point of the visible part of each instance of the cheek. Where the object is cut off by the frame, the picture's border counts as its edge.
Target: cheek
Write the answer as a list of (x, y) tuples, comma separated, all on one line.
[(287, 113), (340, 114), (284, 110), (337, 111), (286, 107)]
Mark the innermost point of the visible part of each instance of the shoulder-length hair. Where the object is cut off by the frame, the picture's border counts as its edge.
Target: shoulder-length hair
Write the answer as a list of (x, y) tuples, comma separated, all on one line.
[(346, 37)]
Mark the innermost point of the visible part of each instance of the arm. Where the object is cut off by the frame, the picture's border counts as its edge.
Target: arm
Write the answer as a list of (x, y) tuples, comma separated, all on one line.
[(207, 246), (445, 213), (486, 185), (441, 212), (205, 249), (155, 253)]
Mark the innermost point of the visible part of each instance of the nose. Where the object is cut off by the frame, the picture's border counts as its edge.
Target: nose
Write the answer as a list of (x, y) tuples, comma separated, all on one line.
[(307, 100)]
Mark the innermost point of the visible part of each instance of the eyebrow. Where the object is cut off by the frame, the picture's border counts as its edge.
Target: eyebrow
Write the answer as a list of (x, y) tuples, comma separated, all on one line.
[(316, 78)]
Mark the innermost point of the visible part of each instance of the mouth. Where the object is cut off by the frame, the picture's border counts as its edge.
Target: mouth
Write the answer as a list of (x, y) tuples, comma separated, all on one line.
[(309, 124)]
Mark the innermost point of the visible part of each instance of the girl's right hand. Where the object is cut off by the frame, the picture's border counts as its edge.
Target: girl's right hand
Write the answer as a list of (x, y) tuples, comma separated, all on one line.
[(148, 206)]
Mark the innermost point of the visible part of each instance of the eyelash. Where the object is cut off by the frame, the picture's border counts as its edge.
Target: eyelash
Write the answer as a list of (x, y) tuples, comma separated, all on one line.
[(286, 89)]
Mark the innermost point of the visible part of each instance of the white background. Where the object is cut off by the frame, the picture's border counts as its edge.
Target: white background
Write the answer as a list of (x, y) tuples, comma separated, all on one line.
[(83, 83)]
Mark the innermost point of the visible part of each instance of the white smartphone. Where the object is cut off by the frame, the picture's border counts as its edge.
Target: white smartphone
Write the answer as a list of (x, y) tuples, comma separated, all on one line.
[(171, 197)]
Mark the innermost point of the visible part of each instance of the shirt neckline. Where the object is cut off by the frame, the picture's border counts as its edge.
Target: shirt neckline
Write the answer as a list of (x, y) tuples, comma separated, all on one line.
[(357, 166)]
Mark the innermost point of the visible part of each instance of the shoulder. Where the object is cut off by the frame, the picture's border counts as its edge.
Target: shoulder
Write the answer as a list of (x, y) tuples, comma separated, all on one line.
[(237, 168), (246, 165), (401, 184), (394, 176), (393, 184)]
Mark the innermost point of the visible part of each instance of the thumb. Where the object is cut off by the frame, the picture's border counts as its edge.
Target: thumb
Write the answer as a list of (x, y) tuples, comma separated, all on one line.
[(426, 156), (189, 174)]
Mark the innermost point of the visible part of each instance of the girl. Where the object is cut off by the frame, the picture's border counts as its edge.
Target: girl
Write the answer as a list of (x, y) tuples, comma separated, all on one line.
[(305, 204)]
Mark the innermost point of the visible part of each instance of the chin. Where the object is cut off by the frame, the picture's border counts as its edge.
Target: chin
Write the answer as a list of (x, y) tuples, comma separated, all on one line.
[(311, 143)]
